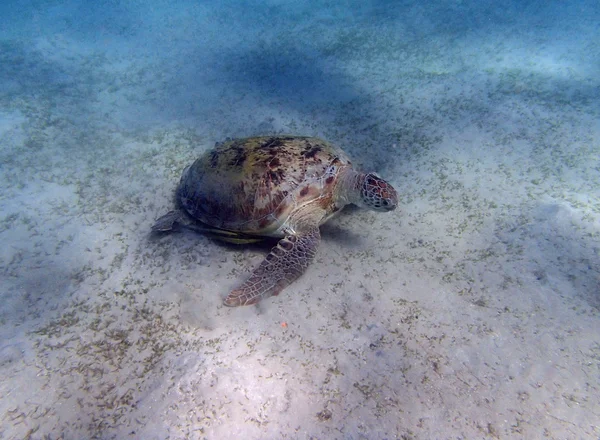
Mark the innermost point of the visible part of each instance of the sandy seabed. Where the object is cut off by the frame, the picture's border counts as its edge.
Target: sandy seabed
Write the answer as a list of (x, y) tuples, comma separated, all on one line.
[(473, 311)]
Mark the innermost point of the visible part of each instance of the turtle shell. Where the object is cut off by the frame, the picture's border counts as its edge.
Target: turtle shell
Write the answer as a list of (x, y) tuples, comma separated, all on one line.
[(252, 185)]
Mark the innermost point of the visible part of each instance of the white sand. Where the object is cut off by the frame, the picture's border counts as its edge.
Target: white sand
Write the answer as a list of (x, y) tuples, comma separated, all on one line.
[(470, 312)]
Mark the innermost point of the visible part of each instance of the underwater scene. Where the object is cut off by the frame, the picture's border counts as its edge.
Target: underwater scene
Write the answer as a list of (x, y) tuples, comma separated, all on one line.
[(177, 259)]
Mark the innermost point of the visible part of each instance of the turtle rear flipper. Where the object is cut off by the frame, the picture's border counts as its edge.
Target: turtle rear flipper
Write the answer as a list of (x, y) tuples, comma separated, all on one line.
[(284, 264), (175, 220), (168, 222), (178, 219)]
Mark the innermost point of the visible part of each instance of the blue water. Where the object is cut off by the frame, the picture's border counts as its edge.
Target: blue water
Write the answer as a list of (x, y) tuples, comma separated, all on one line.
[(470, 312)]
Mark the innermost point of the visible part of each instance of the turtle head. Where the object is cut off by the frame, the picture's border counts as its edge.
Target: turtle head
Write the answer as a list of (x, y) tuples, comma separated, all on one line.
[(376, 194)]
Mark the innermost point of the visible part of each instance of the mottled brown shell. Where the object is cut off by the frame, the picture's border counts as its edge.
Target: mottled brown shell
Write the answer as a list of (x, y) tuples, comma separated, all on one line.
[(252, 185)]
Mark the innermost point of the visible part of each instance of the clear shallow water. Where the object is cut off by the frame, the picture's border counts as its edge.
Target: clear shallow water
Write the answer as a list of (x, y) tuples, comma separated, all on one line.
[(472, 311)]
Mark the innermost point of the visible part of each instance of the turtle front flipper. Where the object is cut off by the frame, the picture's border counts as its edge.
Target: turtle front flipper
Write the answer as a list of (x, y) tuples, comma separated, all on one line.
[(284, 264)]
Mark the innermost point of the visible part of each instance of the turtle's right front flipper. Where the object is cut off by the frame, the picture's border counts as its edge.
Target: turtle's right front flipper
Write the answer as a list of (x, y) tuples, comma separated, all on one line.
[(284, 264)]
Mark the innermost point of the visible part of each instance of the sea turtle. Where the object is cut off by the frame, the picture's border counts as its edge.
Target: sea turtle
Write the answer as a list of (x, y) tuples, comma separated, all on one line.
[(272, 186)]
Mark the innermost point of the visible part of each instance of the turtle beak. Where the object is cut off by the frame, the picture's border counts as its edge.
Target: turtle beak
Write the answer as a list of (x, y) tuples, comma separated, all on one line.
[(390, 198), (389, 201)]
